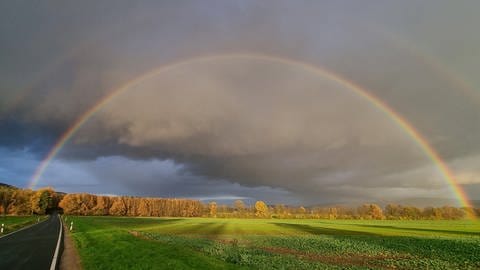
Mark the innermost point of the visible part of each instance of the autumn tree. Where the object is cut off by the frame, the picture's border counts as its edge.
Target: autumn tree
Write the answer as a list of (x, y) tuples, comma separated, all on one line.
[(239, 206), (344, 212), (393, 211), (376, 212), (102, 206), (70, 204), (88, 204), (43, 199), (261, 209), (192, 209), (279, 211), (212, 206), (302, 210), (431, 213), (450, 212), (119, 207), (21, 202), (332, 213), (131, 203), (370, 211), (144, 207), (411, 212), (6, 198), (78, 204)]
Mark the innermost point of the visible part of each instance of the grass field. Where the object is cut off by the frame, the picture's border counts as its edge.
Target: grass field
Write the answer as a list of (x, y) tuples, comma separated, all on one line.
[(13, 223), (202, 243)]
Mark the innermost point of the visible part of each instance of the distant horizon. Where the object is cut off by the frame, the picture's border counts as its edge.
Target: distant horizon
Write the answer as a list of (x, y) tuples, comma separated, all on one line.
[(229, 200)]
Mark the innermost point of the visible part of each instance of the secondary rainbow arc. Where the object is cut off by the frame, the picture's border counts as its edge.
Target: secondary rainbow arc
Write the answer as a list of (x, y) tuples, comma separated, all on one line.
[(402, 123), (433, 63)]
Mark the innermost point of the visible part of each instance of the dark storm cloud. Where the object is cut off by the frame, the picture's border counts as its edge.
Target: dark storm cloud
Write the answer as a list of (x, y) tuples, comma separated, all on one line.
[(245, 123)]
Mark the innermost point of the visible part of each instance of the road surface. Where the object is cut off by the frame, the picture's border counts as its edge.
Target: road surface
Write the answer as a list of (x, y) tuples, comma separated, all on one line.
[(31, 248)]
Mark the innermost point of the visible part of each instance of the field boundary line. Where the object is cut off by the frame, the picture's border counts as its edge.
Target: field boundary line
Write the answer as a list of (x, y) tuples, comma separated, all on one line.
[(57, 249), (24, 228)]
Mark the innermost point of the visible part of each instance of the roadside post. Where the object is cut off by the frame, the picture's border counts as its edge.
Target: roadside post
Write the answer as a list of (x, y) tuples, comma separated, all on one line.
[(3, 225), (71, 226)]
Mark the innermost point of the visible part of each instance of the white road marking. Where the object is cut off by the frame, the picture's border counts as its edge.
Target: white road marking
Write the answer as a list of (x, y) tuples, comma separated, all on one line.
[(55, 255)]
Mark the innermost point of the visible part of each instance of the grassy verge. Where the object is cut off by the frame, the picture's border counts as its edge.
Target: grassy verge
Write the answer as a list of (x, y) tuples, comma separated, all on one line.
[(201, 243), (13, 223)]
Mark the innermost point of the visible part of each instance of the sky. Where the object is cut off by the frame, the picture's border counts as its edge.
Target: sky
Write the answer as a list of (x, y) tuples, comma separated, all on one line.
[(234, 109)]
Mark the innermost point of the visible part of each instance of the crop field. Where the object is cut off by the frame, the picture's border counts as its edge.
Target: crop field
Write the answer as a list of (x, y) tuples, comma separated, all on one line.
[(207, 243), (13, 223)]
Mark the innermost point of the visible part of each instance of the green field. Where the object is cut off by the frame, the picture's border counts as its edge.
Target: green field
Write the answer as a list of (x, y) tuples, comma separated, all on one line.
[(203, 243), (13, 223)]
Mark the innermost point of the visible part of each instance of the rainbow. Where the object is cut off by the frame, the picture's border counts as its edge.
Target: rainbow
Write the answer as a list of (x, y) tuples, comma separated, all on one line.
[(401, 122)]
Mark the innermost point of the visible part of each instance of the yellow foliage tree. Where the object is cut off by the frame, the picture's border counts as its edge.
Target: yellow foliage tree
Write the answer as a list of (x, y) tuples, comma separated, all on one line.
[(6, 198), (21, 204), (42, 200), (212, 206), (119, 207), (261, 209)]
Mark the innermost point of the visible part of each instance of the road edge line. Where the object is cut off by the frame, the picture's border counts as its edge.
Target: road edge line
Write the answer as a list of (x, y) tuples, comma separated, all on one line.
[(24, 228), (57, 249)]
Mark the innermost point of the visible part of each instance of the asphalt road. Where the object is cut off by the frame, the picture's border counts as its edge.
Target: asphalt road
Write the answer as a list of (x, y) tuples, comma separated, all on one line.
[(31, 248)]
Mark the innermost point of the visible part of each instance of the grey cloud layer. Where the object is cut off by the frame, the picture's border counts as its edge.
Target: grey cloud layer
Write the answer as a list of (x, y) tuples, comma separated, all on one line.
[(248, 121)]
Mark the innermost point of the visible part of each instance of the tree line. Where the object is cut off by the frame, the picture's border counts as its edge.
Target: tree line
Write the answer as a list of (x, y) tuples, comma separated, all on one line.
[(364, 211), (17, 201), (88, 204)]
